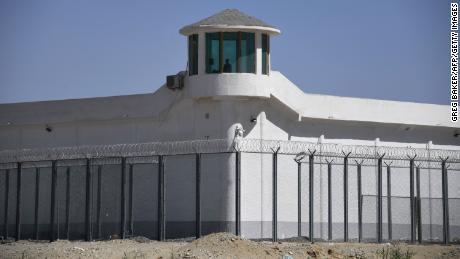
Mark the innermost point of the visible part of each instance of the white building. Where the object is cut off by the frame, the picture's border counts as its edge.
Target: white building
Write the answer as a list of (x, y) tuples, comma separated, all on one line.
[(230, 86)]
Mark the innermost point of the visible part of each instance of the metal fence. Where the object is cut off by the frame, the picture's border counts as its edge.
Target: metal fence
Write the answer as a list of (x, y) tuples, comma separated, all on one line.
[(97, 192)]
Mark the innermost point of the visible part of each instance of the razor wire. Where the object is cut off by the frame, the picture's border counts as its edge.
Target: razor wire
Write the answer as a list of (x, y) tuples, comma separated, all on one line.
[(116, 150), (339, 150), (364, 153)]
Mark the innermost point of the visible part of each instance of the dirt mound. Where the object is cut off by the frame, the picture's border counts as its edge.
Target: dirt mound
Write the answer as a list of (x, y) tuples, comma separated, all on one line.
[(226, 245), (220, 245)]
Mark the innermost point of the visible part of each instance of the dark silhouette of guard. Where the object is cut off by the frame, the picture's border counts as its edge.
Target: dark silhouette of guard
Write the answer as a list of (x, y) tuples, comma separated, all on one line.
[(227, 66)]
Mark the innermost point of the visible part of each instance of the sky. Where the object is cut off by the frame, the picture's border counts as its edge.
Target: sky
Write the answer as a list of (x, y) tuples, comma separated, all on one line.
[(63, 49)]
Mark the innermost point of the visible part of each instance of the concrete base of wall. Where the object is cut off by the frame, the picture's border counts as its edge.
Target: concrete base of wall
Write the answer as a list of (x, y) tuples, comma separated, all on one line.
[(263, 230), (250, 229), (111, 230)]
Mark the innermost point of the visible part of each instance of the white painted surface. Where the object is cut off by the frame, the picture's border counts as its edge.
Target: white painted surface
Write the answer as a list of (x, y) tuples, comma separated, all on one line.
[(212, 106), (231, 28)]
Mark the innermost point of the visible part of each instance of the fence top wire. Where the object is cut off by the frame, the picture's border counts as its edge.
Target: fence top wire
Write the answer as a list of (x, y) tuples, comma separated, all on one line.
[(330, 150), (354, 152), (117, 150)]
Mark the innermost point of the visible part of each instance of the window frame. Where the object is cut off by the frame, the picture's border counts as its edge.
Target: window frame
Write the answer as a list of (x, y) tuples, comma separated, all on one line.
[(238, 53), (193, 67), (254, 61), (208, 51), (266, 66)]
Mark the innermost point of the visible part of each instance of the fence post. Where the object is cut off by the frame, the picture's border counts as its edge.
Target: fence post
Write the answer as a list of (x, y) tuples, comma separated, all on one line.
[(329, 200), (161, 199), (445, 202), (123, 198), (37, 200), (345, 196), (99, 198), (67, 203), (198, 195), (412, 201), (360, 203), (311, 203), (390, 221), (379, 199), (238, 193), (88, 201), (7, 192), (299, 198), (131, 191), (18, 201), (419, 206), (275, 196), (53, 200)]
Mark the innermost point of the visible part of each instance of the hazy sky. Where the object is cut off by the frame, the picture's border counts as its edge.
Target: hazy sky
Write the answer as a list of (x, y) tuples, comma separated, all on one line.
[(61, 49)]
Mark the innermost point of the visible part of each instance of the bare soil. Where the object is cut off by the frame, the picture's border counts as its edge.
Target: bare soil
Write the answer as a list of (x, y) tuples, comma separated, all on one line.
[(219, 245)]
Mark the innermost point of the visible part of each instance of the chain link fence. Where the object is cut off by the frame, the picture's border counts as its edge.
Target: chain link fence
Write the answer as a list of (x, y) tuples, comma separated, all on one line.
[(168, 190)]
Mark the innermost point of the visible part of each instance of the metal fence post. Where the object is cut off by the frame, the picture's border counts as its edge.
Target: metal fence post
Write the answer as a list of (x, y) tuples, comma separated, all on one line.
[(345, 197), (390, 221), (419, 206), (198, 195), (360, 204), (311, 203), (238, 193), (88, 235), (161, 199), (275, 197), (67, 204), (123, 198), (18, 201), (37, 200), (98, 202), (412, 201), (299, 198), (445, 202), (329, 200), (7, 192), (131, 191), (379, 199), (53, 200)]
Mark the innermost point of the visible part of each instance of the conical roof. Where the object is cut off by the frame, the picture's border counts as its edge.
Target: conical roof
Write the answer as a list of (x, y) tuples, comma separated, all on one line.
[(229, 19)]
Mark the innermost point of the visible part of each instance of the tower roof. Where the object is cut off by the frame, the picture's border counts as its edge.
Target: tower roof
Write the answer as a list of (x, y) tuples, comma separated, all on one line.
[(229, 19)]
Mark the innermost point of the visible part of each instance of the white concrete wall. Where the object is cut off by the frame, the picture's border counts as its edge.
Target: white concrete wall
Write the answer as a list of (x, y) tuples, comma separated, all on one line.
[(212, 107)]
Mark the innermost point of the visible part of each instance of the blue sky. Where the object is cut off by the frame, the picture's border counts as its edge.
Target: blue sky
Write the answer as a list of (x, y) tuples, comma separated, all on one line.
[(61, 49)]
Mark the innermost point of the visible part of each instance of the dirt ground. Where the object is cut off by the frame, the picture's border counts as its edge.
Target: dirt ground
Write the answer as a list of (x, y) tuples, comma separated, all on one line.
[(219, 245)]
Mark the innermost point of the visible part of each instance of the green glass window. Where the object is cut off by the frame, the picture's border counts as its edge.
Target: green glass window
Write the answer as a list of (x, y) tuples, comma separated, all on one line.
[(230, 52), (213, 52), (247, 57), (193, 54), (230, 57), (265, 53)]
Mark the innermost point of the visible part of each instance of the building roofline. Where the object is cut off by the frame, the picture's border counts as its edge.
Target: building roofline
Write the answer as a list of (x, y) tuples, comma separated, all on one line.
[(223, 27), (306, 105), (229, 19)]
